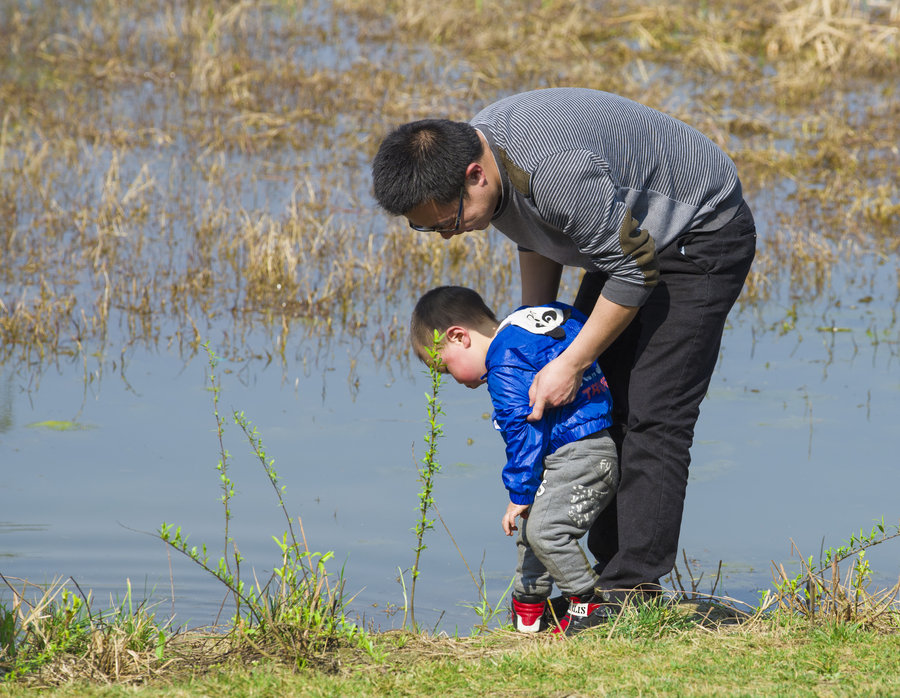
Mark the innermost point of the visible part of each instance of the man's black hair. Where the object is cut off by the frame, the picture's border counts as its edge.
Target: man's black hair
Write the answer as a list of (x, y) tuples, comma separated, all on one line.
[(423, 161)]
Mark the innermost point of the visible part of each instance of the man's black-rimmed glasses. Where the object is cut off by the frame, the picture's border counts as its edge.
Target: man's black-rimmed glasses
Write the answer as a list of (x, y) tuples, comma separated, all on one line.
[(434, 229)]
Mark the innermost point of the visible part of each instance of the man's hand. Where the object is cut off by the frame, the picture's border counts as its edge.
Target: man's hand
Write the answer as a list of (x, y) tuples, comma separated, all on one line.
[(509, 518), (559, 381), (554, 385)]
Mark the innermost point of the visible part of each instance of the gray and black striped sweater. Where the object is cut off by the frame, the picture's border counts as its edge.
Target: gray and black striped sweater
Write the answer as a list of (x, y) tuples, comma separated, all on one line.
[(597, 181)]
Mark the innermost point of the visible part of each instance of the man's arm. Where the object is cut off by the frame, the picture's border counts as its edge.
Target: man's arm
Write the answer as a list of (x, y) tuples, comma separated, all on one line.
[(558, 382), (540, 278)]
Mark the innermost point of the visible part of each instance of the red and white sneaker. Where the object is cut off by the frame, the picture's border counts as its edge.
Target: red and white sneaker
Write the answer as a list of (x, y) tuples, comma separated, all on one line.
[(528, 613)]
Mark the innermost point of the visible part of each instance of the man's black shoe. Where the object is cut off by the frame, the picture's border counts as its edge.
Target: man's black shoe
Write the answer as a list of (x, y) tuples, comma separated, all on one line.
[(599, 614)]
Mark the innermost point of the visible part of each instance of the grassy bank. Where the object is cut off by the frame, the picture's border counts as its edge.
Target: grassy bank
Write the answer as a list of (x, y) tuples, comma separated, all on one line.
[(780, 656)]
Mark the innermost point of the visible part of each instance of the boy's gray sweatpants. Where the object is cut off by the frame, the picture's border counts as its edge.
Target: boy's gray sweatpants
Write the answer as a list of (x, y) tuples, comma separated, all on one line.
[(580, 479)]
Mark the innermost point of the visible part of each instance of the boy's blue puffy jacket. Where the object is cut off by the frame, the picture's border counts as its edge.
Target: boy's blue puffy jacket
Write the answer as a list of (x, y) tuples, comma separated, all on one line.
[(527, 340)]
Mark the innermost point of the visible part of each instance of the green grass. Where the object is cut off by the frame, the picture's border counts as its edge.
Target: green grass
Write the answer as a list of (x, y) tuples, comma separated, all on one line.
[(777, 657)]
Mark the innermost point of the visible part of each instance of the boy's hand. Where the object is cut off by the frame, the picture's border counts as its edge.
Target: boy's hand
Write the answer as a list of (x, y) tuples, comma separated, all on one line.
[(509, 518)]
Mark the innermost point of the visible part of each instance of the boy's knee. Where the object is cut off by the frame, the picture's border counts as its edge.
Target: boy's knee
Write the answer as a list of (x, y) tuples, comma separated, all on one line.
[(546, 542)]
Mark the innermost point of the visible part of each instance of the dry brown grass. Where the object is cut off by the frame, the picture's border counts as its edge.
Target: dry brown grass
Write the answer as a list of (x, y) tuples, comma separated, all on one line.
[(820, 593), (170, 170), (837, 35)]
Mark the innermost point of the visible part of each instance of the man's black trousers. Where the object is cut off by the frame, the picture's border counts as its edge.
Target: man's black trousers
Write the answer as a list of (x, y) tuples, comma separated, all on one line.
[(659, 370)]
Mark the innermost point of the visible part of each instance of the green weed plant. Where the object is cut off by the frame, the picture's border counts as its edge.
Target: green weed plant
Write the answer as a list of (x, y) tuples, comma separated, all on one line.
[(299, 615), (427, 468), (49, 634), (818, 593)]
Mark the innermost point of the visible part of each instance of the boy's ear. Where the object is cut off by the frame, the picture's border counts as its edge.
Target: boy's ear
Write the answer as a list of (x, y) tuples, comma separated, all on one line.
[(459, 335)]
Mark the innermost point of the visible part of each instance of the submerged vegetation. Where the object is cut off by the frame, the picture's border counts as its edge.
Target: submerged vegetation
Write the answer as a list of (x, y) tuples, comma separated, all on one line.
[(171, 171), (176, 170)]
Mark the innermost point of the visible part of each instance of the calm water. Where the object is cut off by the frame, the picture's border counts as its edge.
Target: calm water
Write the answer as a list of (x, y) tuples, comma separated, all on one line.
[(796, 442)]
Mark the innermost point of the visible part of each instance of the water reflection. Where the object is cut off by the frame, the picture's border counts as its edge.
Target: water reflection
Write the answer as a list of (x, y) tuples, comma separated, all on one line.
[(6, 404)]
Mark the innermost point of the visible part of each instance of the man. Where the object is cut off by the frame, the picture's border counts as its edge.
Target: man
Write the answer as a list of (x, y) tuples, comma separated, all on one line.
[(653, 211)]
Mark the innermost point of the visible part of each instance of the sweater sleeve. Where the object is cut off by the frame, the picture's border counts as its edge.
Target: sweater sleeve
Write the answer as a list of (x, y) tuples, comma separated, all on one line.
[(604, 230), (526, 443)]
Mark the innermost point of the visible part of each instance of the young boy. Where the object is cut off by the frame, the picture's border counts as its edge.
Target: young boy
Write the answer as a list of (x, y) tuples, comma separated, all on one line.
[(562, 470)]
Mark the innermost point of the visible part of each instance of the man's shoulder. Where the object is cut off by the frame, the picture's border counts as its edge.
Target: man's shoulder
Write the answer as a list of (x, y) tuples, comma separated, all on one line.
[(530, 100)]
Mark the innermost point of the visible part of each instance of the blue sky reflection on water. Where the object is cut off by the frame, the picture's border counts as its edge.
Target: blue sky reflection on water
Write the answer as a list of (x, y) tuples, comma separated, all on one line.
[(796, 442)]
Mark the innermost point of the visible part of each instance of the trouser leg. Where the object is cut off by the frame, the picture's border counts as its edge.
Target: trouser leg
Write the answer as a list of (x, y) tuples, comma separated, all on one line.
[(580, 478), (658, 372)]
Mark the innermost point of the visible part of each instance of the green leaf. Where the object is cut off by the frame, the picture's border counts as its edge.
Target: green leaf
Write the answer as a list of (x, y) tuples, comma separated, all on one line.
[(57, 425)]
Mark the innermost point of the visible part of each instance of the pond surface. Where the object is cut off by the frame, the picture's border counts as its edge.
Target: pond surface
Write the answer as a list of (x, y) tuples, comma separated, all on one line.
[(796, 442)]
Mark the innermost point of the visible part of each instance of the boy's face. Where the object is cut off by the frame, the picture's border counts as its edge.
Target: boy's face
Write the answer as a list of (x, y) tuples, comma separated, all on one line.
[(463, 357)]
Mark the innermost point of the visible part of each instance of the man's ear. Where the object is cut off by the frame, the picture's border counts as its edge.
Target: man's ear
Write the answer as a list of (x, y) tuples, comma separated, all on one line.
[(475, 173), (459, 335)]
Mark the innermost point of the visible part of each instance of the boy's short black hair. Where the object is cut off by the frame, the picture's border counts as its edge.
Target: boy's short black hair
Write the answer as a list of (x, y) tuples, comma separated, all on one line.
[(423, 161), (444, 307)]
